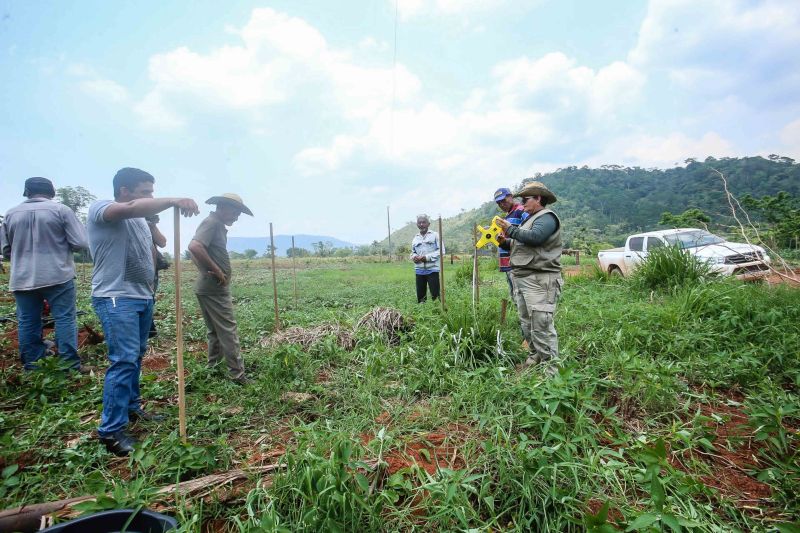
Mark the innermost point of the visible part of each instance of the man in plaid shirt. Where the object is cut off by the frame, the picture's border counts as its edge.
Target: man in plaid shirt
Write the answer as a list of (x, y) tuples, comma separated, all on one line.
[(514, 215)]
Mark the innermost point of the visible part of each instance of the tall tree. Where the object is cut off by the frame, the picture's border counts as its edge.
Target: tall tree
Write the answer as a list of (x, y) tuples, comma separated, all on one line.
[(76, 198)]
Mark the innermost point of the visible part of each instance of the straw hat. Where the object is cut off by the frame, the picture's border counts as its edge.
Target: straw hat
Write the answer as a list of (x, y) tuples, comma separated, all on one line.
[(230, 198), (537, 188)]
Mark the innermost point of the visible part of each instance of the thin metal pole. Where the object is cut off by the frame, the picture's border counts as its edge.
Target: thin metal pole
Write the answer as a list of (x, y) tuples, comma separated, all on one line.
[(274, 281), (294, 271), (441, 260), (179, 325), (389, 233)]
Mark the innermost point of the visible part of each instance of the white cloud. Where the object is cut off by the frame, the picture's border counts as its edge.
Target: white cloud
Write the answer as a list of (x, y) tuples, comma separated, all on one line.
[(108, 90), (790, 137), (663, 151), (413, 8), (715, 47), (278, 58), (530, 104)]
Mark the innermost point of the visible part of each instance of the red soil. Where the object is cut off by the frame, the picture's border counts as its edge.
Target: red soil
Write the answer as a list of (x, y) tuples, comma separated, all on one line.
[(735, 453), (156, 362), (431, 451)]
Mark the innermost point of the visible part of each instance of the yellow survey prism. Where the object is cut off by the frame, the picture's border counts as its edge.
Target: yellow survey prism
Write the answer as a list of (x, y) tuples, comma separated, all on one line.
[(489, 235)]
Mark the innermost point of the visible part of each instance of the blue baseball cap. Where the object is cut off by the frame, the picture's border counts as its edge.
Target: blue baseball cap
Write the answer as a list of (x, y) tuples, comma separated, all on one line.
[(501, 193)]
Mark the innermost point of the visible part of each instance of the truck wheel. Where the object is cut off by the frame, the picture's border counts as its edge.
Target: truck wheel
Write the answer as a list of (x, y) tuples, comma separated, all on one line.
[(615, 272)]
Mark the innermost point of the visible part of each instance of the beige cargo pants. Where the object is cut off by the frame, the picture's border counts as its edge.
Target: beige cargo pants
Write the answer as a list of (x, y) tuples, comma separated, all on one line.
[(537, 296), (223, 337)]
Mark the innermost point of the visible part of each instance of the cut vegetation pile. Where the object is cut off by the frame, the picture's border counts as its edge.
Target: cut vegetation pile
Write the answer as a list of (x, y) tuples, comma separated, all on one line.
[(307, 337), (387, 322)]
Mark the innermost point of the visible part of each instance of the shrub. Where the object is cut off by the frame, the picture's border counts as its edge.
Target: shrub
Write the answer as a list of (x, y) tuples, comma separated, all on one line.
[(669, 268)]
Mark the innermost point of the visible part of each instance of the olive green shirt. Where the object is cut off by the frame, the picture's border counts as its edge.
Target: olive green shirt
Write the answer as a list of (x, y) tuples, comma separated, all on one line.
[(214, 236)]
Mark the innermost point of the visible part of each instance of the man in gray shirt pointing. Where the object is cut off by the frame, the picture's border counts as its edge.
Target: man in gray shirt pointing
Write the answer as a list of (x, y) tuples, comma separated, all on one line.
[(40, 235)]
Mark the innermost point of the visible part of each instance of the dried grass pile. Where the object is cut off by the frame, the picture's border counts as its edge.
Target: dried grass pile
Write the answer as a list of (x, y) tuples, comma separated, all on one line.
[(386, 321), (307, 337)]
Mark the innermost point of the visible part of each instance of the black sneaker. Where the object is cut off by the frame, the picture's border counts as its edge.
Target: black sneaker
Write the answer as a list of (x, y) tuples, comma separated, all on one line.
[(241, 380), (119, 443), (135, 416)]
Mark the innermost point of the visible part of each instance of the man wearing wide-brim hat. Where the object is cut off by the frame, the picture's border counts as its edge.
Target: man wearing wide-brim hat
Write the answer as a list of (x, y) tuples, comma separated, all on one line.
[(210, 254), (536, 266)]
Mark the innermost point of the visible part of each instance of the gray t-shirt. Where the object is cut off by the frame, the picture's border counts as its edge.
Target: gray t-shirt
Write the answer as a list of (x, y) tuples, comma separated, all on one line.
[(123, 255), (214, 236), (40, 236)]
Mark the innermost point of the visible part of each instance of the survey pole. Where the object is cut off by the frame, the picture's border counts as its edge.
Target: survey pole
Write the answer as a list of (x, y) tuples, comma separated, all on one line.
[(179, 325), (274, 280)]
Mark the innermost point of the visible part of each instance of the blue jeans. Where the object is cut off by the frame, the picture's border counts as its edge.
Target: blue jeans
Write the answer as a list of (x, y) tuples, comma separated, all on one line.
[(30, 304), (126, 323)]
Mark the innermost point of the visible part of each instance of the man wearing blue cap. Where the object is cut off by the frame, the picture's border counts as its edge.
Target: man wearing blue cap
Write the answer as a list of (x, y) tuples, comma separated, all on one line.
[(515, 215)]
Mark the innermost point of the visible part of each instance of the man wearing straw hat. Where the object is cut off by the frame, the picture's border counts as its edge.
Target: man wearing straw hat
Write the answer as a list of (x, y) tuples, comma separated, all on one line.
[(210, 254), (122, 294), (536, 266)]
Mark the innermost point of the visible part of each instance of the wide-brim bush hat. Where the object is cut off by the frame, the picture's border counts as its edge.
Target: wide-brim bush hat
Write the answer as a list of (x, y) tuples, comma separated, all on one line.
[(232, 199), (537, 188)]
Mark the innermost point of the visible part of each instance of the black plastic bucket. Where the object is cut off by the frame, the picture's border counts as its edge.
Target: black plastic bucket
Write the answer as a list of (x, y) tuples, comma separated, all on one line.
[(144, 521)]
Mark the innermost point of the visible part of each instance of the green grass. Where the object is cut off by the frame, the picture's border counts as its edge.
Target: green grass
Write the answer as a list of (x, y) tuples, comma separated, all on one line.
[(631, 420)]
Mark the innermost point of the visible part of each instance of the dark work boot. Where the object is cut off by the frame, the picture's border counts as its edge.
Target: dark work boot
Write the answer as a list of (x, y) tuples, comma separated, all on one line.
[(135, 416), (119, 443)]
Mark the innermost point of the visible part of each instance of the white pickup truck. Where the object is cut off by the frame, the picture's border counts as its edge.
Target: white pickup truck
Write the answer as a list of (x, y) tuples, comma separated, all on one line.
[(729, 258)]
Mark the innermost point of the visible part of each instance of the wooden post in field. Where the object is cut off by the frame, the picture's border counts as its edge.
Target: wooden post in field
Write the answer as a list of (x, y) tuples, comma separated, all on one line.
[(389, 231), (441, 261), (179, 325), (476, 296), (294, 271), (274, 281), (503, 309)]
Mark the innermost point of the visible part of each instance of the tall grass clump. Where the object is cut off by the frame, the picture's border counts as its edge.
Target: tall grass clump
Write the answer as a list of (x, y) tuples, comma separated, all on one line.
[(669, 268), (475, 333)]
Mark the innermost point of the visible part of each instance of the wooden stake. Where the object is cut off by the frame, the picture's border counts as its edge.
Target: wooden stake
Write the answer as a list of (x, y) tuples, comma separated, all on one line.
[(475, 279), (441, 261), (294, 271), (179, 325), (503, 308), (389, 231), (274, 281)]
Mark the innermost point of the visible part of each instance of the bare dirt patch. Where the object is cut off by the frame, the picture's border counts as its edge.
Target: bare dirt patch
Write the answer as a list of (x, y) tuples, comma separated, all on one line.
[(156, 362), (788, 277), (734, 456), (430, 451)]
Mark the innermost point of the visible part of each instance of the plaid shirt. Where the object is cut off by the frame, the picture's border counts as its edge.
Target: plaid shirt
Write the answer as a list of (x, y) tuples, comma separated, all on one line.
[(516, 216)]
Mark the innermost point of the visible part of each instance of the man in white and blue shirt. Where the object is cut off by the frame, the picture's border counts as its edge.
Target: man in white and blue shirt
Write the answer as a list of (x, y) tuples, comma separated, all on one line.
[(426, 252)]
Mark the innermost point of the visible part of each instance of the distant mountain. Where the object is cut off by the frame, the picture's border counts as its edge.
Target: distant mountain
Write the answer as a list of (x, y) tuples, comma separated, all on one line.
[(605, 204), (282, 243)]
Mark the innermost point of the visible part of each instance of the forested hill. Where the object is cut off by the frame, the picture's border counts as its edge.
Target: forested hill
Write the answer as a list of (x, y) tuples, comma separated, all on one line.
[(607, 203)]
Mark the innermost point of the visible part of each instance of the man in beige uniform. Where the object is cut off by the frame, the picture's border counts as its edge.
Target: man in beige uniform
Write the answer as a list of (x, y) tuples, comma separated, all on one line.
[(536, 266), (210, 254)]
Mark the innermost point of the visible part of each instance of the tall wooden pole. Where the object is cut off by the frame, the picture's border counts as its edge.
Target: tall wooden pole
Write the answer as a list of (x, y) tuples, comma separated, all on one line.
[(274, 281), (441, 260), (179, 325), (476, 296), (389, 233), (294, 271)]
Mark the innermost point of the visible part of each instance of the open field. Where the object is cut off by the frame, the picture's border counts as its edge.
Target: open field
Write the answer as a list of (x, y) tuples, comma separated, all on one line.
[(673, 410)]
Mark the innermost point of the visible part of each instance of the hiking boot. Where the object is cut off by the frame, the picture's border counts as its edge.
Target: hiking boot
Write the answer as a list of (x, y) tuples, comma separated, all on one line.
[(143, 415), (241, 380), (119, 443), (532, 360)]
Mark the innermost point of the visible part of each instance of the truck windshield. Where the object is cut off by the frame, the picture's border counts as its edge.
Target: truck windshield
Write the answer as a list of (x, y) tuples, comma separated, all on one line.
[(693, 239)]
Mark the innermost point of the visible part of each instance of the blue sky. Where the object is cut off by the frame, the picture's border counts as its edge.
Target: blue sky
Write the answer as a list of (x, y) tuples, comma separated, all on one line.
[(301, 108)]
